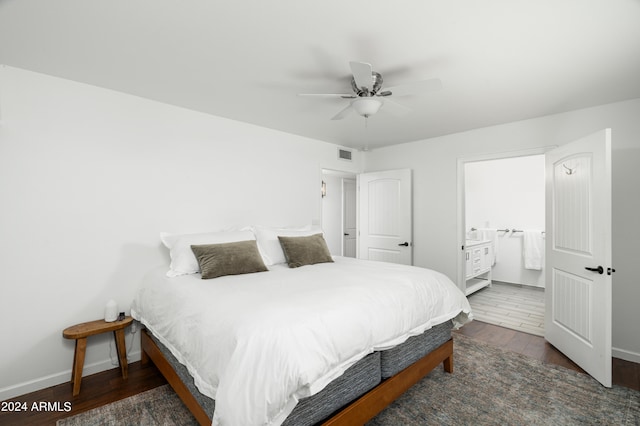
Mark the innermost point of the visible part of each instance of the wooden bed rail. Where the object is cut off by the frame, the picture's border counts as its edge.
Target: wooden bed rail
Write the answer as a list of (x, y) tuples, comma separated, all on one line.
[(373, 402), (150, 351), (358, 412)]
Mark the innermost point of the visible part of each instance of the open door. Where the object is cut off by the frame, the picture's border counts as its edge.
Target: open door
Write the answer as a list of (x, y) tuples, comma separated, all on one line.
[(578, 253), (349, 215), (385, 216)]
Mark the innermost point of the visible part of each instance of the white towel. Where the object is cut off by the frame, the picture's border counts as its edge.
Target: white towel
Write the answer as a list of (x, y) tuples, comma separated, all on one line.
[(487, 234), (533, 250)]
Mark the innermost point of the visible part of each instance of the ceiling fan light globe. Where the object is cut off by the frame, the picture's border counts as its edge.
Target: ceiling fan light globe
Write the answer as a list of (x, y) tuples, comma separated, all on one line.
[(366, 106)]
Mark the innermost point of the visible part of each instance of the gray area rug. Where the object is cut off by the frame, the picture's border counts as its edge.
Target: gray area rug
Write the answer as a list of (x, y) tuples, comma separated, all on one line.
[(489, 386), (159, 406)]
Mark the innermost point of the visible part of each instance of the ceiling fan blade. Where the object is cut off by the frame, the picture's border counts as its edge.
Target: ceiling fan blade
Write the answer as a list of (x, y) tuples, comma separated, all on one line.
[(395, 108), (362, 74), (342, 114), (415, 88), (329, 95)]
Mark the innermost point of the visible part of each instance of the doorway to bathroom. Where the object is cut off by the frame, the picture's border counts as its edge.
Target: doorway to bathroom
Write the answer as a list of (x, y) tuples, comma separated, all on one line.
[(504, 223)]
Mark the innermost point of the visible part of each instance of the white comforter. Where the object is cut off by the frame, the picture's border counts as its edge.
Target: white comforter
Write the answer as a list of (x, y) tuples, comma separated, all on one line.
[(257, 343)]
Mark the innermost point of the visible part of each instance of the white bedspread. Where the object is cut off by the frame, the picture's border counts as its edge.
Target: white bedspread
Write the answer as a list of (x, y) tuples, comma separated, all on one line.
[(257, 343)]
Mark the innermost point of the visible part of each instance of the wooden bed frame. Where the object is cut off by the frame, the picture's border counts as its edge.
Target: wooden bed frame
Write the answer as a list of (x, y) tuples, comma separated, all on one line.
[(358, 412)]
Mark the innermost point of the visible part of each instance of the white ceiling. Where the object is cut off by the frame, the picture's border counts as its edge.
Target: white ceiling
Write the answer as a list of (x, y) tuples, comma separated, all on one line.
[(498, 60)]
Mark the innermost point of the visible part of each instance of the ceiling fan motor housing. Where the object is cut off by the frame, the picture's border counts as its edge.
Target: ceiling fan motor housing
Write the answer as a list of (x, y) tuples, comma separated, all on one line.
[(376, 80)]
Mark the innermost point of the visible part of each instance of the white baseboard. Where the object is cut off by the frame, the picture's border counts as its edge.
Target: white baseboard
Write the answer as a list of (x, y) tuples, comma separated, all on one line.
[(625, 355), (62, 377)]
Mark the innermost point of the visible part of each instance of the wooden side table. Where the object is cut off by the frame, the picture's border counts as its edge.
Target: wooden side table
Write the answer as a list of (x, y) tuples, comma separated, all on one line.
[(80, 332)]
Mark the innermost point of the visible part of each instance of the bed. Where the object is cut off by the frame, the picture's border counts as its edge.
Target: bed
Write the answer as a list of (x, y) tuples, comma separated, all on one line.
[(333, 341)]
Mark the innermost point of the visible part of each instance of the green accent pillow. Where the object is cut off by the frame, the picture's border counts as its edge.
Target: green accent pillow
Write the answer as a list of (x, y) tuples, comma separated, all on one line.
[(309, 250), (240, 257)]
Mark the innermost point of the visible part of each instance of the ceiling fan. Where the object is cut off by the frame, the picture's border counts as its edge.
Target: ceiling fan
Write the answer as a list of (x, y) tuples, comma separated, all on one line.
[(368, 96)]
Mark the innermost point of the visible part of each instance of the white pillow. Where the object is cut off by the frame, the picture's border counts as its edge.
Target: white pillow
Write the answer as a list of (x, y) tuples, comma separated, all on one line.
[(183, 261), (269, 245)]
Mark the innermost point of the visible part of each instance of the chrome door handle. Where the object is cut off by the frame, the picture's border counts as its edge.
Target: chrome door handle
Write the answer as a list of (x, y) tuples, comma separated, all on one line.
[(405, 244), (599, 269)]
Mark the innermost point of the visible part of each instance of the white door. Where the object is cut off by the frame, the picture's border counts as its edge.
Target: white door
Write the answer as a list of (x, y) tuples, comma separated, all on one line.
[(578, 253), (349, 218), (385, 216)]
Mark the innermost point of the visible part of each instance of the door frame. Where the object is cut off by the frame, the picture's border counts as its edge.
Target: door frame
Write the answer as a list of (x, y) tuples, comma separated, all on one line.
[(461, 208)]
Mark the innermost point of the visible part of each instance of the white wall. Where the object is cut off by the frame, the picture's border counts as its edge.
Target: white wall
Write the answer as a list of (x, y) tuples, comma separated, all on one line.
[(507, 193), (89, 178), (434, 163)]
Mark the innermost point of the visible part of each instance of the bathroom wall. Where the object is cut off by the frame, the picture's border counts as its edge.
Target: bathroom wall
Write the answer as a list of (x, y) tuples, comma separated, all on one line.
[(507, 193)]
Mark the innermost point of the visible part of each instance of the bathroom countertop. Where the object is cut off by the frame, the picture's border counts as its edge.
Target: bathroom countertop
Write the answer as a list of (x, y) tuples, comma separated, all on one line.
[(471, 243)]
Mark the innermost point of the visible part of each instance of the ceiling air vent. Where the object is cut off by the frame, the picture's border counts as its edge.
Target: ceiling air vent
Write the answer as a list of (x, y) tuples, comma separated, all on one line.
[(344, 154)]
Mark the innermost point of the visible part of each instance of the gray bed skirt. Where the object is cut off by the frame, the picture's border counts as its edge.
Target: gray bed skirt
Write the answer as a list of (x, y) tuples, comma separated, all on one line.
[(356, 380), (396, 359)]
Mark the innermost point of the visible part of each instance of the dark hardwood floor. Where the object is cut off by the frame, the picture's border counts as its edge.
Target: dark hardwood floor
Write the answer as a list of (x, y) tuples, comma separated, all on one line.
[(108, 386), (96, 390), (624, 373)]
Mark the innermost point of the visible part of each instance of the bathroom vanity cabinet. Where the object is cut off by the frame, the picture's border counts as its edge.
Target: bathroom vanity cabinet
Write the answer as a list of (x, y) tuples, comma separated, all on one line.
[(479, 259)]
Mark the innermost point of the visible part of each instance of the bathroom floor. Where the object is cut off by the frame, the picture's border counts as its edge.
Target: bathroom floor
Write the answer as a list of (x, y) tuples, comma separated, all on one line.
[(510, 305)]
